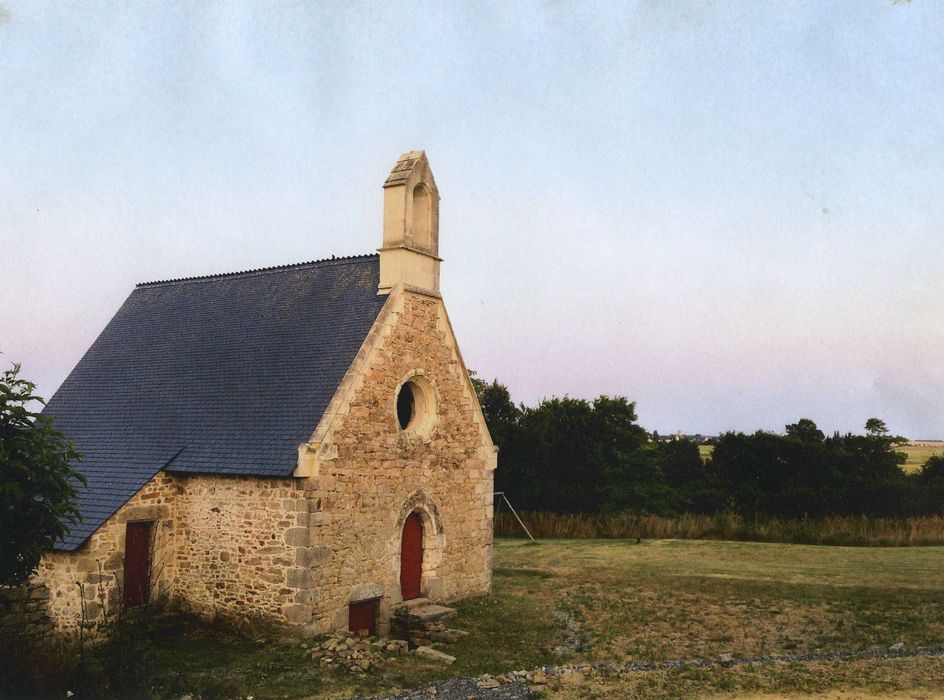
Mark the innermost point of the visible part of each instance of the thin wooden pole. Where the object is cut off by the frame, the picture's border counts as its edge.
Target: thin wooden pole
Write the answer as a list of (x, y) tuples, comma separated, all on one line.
[(515, 513)]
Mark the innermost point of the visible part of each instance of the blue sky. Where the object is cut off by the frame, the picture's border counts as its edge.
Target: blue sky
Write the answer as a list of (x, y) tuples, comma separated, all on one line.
[(729, 212)]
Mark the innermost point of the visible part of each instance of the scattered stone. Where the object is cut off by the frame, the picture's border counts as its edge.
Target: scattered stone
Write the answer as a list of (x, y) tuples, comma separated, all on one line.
[(444, 636), (398, 646), (725, 658), (898, 646), (427, 652), (488, 684)]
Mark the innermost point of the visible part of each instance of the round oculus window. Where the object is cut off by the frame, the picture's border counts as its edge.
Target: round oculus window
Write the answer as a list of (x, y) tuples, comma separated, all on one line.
[(406, 405), (416, 405)]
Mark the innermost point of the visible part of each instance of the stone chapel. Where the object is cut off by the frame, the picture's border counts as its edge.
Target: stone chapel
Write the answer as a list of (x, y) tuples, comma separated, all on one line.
[(299, 445)]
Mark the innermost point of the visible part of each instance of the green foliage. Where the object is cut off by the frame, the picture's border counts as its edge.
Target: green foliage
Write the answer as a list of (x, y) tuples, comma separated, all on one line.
[(930, 482), (567, 452), (933, 471), (635, 483), (501, 414), (37, 481), (569, 455), (806, 430), (804, 473)]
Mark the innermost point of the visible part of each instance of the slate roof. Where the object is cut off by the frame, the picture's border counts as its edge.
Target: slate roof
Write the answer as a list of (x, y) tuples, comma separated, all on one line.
[(225, 374)]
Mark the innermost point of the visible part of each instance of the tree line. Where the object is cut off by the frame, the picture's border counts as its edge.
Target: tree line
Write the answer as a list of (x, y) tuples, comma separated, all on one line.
[(569, 455)]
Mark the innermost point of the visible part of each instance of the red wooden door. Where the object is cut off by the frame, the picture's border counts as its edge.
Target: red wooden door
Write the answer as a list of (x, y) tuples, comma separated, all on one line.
[(411, 557), (137, 561)]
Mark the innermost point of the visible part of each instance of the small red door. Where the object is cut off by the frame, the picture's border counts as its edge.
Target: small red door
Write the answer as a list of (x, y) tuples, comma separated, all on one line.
[(137, 561), (362, 617), (411, 557)]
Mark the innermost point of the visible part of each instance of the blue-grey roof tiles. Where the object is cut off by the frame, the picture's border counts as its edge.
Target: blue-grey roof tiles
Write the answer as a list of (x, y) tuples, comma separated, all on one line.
[(224, 374)]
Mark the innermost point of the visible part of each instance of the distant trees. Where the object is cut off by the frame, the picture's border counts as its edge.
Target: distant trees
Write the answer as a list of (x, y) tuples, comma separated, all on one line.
[(569, 455), (564, 454), (805, 473)]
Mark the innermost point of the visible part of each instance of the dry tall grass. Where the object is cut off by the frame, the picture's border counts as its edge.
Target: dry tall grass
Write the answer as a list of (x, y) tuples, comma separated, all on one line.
[(853, 531)]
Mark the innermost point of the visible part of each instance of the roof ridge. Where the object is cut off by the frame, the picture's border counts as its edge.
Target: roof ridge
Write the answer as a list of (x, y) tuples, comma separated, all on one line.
[(333, 260)]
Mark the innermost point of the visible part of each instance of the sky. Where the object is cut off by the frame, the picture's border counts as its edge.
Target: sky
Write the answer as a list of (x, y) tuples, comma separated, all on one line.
[(729, 212)]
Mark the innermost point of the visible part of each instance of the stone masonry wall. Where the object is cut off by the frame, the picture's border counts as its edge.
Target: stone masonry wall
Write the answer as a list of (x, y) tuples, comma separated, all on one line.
[(373, 475), (24, 613), (94, 572), (236, 546)]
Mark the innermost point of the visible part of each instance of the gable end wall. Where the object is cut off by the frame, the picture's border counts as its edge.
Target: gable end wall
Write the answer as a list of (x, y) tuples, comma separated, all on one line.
[(371, 474)]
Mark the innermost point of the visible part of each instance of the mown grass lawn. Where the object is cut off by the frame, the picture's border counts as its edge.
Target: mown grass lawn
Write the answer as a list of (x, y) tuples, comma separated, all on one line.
[(658, 600)]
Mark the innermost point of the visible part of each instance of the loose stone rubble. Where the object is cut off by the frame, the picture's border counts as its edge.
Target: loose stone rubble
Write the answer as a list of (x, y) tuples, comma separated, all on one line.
[(356, 654)]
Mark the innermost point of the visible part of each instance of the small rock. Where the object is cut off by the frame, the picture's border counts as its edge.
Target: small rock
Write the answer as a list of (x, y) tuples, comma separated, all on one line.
[(431, 690), (434, 655), (725, 658), (539, 677), (488, 684), (898, 646)]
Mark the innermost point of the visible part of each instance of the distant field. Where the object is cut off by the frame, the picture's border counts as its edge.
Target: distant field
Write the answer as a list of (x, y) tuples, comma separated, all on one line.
[(918, 453)]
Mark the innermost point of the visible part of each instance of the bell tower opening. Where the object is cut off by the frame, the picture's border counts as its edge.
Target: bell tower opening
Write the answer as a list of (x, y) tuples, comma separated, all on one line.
[(422, 213)]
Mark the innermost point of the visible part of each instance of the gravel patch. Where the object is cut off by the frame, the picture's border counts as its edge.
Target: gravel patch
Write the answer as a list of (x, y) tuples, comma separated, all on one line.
[(573, 641)]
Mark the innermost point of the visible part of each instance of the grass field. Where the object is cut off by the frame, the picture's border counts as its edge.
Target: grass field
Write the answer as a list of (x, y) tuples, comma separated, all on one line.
[(574, 601), (917, 453)]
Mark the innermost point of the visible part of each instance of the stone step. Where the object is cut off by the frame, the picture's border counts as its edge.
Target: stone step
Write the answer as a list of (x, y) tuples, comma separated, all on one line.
[(424, 614), (412, 603)]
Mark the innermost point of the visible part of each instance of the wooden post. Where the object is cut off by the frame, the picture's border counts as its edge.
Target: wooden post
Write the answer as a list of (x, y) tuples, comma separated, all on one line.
[(515, 513)]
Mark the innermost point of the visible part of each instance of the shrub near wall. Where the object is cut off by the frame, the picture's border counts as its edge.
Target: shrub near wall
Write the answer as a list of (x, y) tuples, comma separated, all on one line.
[(850, 531)]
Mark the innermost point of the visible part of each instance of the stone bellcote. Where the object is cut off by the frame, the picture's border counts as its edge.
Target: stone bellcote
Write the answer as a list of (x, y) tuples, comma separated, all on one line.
[(410, 251)]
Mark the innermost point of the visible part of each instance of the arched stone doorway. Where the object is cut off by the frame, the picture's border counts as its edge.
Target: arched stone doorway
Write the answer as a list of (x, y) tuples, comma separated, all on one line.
[(417, 545), (411, 557)]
